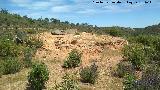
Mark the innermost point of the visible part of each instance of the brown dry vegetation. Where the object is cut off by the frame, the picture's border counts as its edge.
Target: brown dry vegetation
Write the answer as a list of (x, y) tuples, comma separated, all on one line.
[(104, 50)]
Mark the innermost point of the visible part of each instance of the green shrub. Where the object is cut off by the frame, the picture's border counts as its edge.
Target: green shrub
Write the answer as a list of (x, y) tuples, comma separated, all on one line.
[(124, 68), (138, 39), (6, 34), (151, 46), (150, 79), (68, 83), (157, 50), (115, 32), (129, 82), (73, 60), (11, 65), (89, 74), (31, 31), (38, 76), (151, 54), (145, 40), (34, 43), (157, 44), (28, 57), (135, 53), (1, 68), (9, 48), (156, 57)]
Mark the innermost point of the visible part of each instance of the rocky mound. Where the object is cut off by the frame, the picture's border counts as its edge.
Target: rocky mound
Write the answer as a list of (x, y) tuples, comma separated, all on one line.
[(91, 45)]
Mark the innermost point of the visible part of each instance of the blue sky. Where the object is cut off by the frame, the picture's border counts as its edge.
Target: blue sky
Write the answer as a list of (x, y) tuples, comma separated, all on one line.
[(124, 14)]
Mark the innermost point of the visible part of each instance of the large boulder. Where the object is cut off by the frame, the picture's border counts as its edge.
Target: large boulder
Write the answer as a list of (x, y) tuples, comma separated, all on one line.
[(18, 40), (58, 32)]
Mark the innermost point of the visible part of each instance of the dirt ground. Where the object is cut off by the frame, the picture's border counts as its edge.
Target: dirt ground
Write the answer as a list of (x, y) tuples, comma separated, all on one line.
[(104, 50), (90, 45)]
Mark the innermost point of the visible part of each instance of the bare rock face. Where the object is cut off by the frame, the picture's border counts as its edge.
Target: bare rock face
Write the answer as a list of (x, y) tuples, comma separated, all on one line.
[(58, 32), (18, 40)]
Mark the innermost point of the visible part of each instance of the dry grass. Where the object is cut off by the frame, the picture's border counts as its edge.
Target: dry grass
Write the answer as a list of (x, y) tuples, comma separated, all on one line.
[(105, 81), (16, 81)]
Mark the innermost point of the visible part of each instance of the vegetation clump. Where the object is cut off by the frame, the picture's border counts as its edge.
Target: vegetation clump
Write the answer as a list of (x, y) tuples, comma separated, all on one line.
[(115, 32), (73, 60), (135, 53), (34, 43), (150, 79), (129, 82), (28, 52), (1, 69), (145, 52), (123, 68), (89, 74), (9, 48), (11, 65), (38, 76), (68, 83)]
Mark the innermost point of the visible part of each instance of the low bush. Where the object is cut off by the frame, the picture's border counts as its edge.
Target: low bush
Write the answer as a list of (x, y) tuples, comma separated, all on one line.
[(11, 65), (28, 57), (38, 76), (1, 68), (31, 31), (135, 53), (150, 79), (89, 74), (34, 43), (146, 40), (68, 83), (115, 32), (157, 50), (9, 48), (129, 82), (124, 68), (150, 45), (73, 60)]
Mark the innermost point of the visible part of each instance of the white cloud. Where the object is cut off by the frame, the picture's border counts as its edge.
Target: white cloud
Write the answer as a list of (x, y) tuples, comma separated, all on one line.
[(32, 5), (87, 11), (40, 5), (20, 1), (59, 9), (77, 6)]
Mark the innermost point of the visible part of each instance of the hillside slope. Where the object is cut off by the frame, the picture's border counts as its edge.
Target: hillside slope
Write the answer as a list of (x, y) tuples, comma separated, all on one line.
[(104, 50)]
